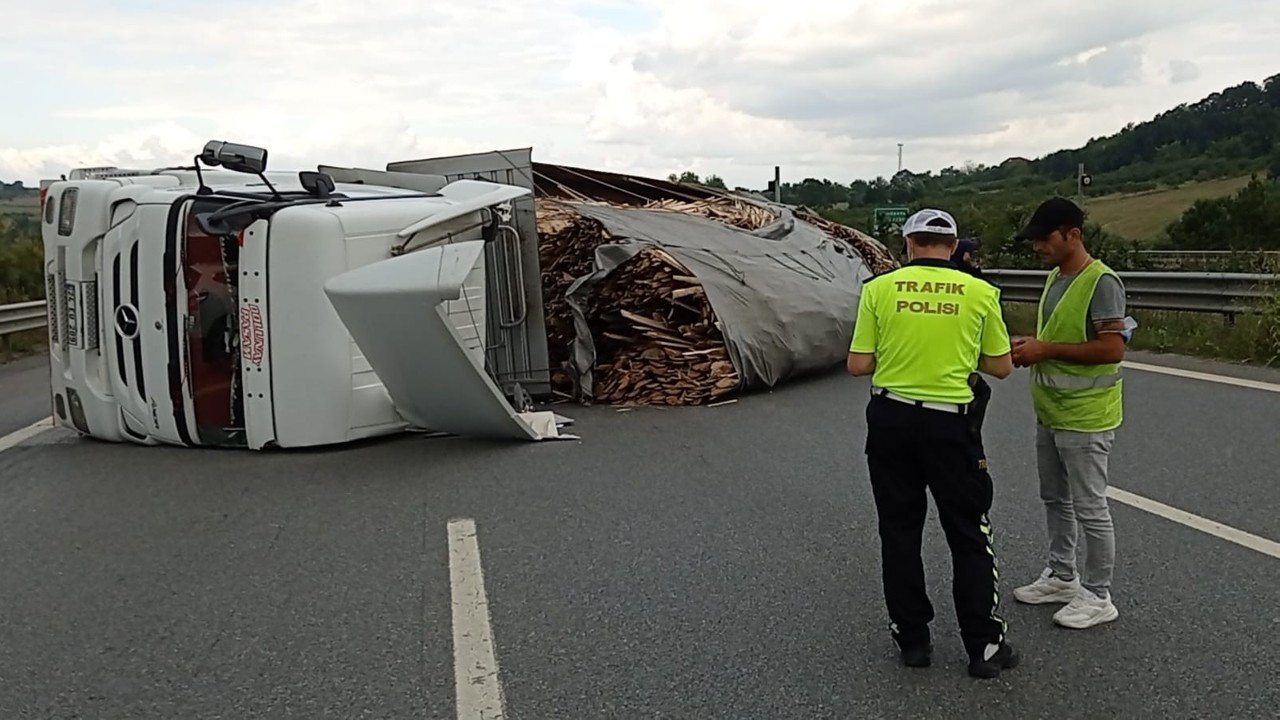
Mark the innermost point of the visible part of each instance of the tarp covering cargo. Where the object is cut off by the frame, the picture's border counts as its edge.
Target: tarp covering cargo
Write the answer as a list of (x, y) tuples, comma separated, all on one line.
[(782, 295)]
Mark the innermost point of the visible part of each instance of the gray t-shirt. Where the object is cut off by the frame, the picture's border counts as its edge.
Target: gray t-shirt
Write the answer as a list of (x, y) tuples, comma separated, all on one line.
[(1108, 301)]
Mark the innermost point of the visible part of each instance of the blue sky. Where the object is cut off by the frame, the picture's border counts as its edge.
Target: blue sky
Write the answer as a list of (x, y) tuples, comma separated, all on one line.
[(730, 87)]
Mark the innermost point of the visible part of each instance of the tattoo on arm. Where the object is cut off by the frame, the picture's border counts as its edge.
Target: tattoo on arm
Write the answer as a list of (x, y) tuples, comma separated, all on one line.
[(1109, 326)]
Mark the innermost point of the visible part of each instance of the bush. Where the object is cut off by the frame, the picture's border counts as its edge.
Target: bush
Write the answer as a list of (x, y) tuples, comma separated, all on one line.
[(21, 260)]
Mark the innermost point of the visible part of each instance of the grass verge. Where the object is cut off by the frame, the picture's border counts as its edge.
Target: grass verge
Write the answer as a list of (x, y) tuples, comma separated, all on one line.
[(1252, 338), (22, 344)]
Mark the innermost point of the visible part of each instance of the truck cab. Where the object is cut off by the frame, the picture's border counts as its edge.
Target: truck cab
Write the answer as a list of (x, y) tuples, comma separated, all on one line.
[(214, 306)]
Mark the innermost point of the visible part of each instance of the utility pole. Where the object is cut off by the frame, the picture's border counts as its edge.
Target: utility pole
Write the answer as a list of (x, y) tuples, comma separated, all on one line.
[(899, 157), (777, 184)]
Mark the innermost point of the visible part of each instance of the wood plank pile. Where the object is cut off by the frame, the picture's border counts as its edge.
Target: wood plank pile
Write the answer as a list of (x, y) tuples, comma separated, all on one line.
[(869, 249), (566, 251), (728, 211), (656, 337)]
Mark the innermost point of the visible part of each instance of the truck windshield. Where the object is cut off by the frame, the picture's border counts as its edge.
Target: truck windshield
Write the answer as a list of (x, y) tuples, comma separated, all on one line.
[(210, 264)]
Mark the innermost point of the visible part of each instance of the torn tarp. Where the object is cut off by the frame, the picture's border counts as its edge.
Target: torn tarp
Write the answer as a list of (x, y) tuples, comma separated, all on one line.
[(785, 296)]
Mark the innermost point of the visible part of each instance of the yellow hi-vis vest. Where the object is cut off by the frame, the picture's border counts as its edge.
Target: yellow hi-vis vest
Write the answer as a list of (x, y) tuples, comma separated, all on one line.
[(1070, 396)]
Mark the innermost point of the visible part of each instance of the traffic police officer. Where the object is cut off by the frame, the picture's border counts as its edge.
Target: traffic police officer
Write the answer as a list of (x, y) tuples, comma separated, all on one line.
[(921, 330)]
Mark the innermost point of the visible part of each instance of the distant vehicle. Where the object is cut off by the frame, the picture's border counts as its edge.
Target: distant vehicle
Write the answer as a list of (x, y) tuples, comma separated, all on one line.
[(228, 306)]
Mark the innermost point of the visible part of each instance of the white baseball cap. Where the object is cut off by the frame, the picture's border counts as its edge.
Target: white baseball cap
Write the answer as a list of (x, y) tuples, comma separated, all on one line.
[(931, 221)]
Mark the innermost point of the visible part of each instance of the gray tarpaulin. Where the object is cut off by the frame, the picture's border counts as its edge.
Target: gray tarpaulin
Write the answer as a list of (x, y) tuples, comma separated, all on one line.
[(785, 296)]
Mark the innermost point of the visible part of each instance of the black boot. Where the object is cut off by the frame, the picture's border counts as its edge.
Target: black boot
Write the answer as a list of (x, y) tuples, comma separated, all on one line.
[(1005, 658), (918, 657)]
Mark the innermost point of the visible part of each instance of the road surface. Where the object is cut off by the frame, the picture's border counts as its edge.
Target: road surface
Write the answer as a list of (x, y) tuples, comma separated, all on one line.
[(679, 563)]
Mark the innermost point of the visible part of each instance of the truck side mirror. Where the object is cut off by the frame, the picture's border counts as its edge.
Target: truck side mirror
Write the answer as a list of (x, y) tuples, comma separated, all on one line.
[(317, 184), (235, 157)]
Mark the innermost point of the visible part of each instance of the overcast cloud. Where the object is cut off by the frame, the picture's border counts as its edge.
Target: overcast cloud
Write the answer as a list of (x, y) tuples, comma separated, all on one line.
[(730, 87)]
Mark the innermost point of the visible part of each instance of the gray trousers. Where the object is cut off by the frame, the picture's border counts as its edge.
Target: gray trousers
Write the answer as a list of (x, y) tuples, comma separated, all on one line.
[(1073, 484)]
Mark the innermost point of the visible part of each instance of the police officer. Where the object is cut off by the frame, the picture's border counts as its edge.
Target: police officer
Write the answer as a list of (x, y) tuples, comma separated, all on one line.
[(921, 329)]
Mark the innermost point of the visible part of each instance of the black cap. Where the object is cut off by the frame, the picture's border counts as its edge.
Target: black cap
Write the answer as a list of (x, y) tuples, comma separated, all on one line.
[(965, 245), (1052, 214)]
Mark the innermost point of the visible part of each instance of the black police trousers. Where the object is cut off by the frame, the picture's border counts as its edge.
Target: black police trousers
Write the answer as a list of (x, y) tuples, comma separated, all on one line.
[(908, 449)]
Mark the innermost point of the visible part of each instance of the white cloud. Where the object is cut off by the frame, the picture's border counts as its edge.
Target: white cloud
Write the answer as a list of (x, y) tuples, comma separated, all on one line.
[(653, 86)]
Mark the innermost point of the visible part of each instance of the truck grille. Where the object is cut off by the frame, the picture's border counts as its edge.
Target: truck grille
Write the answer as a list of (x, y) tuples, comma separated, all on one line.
[(128, 344)]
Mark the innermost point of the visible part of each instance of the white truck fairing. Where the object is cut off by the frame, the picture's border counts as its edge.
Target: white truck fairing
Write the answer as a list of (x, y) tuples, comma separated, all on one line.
[(189, 307), (432, 363)]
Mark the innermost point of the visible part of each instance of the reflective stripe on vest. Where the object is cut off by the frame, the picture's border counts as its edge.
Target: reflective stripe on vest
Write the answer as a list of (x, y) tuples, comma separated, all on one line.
[(1063, 381)]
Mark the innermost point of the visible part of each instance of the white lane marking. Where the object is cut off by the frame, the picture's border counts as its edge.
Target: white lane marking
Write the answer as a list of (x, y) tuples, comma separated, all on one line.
[(475, 669), (26, 433), (1194, 375), (1182, 517)]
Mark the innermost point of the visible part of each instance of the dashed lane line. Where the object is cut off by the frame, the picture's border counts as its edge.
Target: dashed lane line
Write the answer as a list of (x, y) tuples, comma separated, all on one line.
[(475, 668)]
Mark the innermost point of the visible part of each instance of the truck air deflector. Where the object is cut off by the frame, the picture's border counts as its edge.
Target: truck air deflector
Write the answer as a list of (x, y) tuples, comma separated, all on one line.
[(394, 310), (468, 196)]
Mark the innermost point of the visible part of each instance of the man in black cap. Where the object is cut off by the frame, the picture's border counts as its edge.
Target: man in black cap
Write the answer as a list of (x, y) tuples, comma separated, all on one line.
[(963, 259), (1075, 360)]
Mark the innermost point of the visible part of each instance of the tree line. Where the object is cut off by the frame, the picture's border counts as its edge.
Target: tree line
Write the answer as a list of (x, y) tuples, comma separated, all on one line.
[(1235, 130)]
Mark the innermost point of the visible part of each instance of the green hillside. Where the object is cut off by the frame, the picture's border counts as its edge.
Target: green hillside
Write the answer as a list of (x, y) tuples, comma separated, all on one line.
[(1143, 177)]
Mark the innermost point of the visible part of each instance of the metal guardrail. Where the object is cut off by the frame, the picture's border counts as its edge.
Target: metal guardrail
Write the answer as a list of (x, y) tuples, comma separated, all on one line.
[(1208, 292), (23, 316)]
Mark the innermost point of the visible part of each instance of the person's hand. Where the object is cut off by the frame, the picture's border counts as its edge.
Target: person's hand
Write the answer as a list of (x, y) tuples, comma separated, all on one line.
[(1029, 351)]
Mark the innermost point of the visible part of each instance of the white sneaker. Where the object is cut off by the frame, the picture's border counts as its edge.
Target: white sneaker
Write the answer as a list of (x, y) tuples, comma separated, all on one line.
[(1086, 610), (1048, 589)]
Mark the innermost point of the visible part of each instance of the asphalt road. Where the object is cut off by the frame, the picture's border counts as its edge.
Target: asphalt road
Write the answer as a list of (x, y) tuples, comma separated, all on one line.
[(24, 392), (709, 562)]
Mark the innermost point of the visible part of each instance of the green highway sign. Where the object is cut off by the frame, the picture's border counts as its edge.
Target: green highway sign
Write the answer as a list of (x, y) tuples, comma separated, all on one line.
[(894, 215), (887, 221)]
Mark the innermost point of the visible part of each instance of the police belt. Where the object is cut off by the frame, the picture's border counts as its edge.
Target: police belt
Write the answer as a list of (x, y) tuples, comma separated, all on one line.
[(954, 408)]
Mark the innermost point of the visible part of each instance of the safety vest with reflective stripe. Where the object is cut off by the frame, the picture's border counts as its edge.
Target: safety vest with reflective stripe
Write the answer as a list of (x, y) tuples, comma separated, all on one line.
[(1070, 396)]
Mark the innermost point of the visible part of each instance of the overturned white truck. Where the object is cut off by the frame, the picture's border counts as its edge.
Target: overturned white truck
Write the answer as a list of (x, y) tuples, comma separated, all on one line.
[(238, 307), (221, 304)]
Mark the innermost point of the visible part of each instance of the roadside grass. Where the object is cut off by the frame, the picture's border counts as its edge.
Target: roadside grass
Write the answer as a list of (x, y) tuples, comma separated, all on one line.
[(18, 345)]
